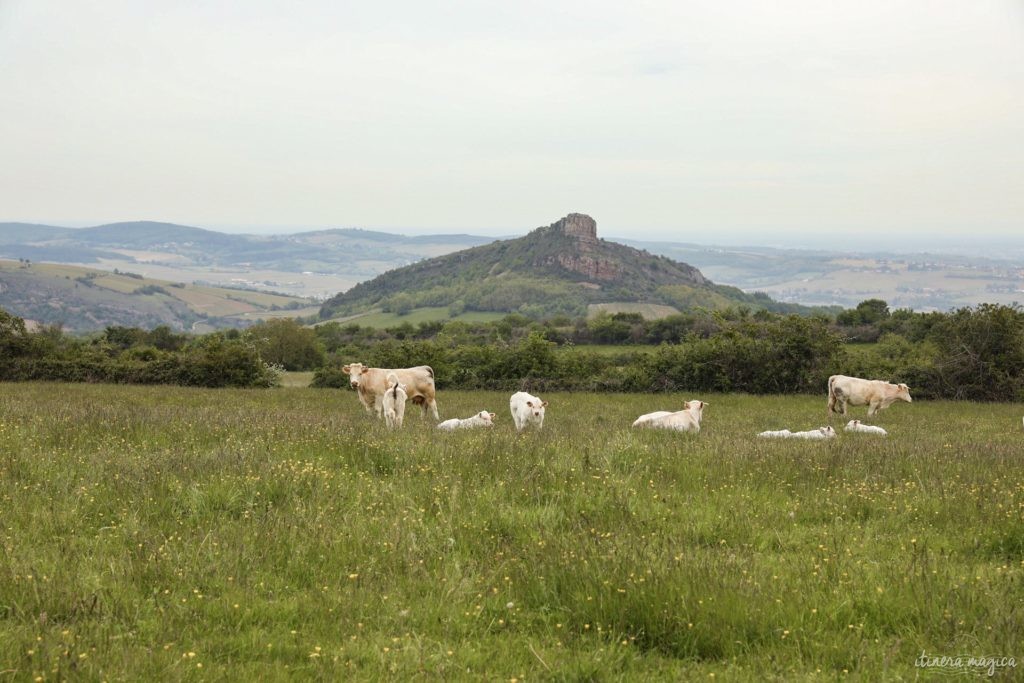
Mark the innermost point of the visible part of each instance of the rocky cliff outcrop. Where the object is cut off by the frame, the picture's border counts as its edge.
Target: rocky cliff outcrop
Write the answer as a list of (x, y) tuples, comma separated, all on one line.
[(578, 225)]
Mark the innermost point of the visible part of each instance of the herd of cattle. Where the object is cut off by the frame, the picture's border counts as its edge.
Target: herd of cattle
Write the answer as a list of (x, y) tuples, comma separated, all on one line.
[(386, 391)]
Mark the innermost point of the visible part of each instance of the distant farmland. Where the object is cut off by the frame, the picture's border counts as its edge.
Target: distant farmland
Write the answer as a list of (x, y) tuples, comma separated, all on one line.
[(82, 298)]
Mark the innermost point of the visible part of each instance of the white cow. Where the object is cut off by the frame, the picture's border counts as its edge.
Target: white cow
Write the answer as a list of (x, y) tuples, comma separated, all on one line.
[(876, 394), (857, 426), (685, 420), (481, 419), (526, 410), (371, 385), (819, 433), (777, 434), (394, 403)]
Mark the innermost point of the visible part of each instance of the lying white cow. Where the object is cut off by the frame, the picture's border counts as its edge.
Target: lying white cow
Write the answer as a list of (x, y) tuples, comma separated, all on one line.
[(526, 410), (819, 433), (481, 419), (394, 403), (857, 426), (777, 434), (686, 420), (371, 385), (873, 393)]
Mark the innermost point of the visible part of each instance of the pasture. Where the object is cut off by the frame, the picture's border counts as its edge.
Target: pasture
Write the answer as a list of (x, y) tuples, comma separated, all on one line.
[(159, 533)]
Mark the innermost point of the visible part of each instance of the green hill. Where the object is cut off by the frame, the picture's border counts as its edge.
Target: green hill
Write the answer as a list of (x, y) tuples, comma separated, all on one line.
[(560, 268), (83, 299)]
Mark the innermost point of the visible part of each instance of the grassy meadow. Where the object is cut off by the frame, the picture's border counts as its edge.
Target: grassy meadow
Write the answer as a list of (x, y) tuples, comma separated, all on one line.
[(159, 533)]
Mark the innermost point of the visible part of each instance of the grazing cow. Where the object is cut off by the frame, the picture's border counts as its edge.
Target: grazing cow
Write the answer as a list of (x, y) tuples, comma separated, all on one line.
[(526, 410), (873, 393), (371, 385), (777, 434), (857, 426), (686, 420), (394, 403), (481, 419), (819, 433)]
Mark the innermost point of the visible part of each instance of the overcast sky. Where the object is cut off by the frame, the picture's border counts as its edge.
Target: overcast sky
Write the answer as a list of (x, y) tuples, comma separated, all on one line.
[(693, 121)]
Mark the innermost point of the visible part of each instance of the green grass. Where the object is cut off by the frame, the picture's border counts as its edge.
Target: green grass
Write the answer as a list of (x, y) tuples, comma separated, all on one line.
[(427, 314), (648, 311), (292, 379), (283, 534)]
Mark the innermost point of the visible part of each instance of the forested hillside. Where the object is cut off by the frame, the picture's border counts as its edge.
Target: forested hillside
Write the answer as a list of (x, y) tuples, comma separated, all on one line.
[(557, 269)]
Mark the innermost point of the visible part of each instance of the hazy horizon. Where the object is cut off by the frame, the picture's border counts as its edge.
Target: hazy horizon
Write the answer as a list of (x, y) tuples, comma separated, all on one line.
[(700, 121), (993, 246)]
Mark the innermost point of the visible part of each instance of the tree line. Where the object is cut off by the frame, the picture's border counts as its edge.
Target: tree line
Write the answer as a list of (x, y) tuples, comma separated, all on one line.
[(971, 353)]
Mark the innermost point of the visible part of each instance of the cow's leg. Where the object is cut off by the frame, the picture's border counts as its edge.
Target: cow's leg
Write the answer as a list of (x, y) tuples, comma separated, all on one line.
[(872, 408), (831, 404), (433, 409)]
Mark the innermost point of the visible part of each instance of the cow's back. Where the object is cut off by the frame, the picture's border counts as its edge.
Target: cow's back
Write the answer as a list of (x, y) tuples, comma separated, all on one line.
[(418, 381)]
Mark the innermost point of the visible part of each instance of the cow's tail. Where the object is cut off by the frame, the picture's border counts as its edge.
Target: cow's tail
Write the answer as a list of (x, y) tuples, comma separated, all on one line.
[(430, 370)]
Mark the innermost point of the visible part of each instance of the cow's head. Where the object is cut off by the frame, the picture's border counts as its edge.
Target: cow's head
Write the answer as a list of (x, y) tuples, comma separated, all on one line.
[(354, 372), (537, 408), (904, 393), (829, 432), (696, 408), (487, 418)]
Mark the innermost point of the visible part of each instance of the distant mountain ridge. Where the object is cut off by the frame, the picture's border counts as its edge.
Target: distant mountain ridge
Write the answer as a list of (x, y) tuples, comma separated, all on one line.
[(322, 250), (559, 268)]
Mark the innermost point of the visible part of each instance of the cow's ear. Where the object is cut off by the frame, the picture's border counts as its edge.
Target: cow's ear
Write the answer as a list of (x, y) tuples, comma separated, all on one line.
[(346, 368), (544, 404), (904, 386), (493, 415), (529, 404)]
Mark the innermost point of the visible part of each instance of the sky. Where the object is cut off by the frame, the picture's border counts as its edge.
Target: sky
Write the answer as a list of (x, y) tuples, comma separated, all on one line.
[(706, 121)]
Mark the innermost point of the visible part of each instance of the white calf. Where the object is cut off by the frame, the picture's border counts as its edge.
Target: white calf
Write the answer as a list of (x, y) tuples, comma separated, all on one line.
[(856, 426), (686, 420), (526, 410), (777, 434), (481, 419), (819, 433), (394, 403)]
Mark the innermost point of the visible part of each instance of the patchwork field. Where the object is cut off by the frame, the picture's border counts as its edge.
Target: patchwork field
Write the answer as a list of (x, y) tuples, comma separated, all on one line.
[(81, 298), (155, 533)]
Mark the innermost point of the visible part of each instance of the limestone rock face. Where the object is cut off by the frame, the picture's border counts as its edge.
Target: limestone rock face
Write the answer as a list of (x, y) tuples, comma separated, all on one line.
[(579, 225), (590, 267), (584, 258)]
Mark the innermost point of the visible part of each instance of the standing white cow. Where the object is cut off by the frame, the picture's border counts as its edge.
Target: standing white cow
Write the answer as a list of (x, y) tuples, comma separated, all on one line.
[(685, 420), (873, 393), (371, 385), (394, 403), (481, 419), (526, 410)]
